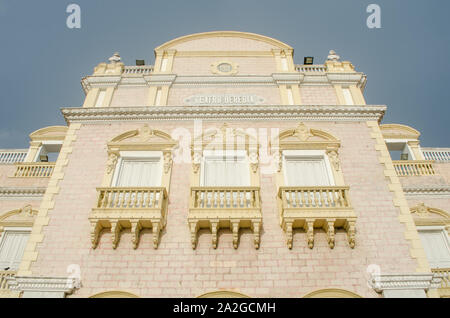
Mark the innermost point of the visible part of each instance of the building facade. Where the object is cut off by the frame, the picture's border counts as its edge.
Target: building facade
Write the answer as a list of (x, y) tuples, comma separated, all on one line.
[(225, 170)]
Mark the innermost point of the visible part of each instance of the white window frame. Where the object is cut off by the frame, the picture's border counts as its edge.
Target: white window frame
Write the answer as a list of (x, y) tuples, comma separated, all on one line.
[(43, 150), (13, 229), (445, 238), (307, 154), (138, 155), (220, 154)]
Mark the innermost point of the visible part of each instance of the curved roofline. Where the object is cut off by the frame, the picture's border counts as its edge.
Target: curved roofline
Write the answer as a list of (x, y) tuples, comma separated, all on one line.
[(245, 35)]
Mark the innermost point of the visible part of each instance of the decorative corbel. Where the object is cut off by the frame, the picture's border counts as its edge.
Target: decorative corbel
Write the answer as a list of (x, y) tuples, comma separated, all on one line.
[(278, 157), (95, 233), (156, 229), (289, 234), (256, 233), (167, 161), (193, 226), (334, 159), (329, 228), (309, 229), (235, 229), (115, 231), (302, 132), (214, 229), (135, 230), (351, 233)]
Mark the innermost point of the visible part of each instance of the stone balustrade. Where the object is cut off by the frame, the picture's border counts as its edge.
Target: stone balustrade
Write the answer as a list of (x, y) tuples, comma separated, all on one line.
[(12, 156), (326, 207), (437, 154), (138, 70), (311, 68), (34, 170), (444, 274), (135, 208), (225, 207), (3, 278), (406, 168)]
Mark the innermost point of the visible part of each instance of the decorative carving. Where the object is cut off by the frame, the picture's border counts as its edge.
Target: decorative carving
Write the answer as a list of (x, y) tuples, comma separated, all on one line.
[(111, 163), (115, 58), (235, 230), (329, 228), (167, 161), (135, 229), (332, 56), (278, 155), (196, 161), (256, 233), (309, 229), (95, 232), (115, 231), (422, 210), (214, 226), (156, 229), (193, 226), (334, 159), (302, 132), (289, 234), (254, 160), (145, 133), (351, 233)]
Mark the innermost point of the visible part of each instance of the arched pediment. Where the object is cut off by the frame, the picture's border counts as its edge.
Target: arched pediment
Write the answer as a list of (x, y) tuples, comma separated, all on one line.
[(49, 133), (223, 294), (251, 41), (303, 137), (397, 131), (332, 293), (225, 138), (143, 138), (425, 215), (23, 217), (114, 294)]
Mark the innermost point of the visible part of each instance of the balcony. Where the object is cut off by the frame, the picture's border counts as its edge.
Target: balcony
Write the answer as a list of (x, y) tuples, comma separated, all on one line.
[(138, 70), (311, 68), (444, 274), (34, 170), (12, 156), (4, 288), (437, 154), (134, 208), (225, 207), (407, 168), (317, 207)]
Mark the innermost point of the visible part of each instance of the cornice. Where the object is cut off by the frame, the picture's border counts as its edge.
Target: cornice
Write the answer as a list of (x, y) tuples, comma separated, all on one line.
[(237, 113), (404, 281), (434, 190), (6, 192), (293, 78)]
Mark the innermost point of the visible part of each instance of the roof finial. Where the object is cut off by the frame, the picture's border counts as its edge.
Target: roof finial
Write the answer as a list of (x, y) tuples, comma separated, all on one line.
[(332, 56), (115, 58)]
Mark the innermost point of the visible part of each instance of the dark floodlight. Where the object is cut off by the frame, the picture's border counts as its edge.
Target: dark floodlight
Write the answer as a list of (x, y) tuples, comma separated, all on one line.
[(308, 60), (140, 62)]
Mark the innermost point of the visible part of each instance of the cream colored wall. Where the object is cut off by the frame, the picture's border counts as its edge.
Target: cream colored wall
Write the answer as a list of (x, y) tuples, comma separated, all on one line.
[(130, 96)]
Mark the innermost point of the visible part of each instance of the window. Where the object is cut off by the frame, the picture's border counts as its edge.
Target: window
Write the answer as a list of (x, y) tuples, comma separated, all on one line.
[(399, 149), (307, 168), (12, 247), (436, 244), (49, 151), (226, 169), (347, 96), (139, 169)]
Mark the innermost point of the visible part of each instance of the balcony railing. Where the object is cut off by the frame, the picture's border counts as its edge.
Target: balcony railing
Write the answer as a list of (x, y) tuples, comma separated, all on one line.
[(406, 168), (225, 207), (444, 274), (144, 69), (310, 68), (3, 279), (134, 208), (34, 170), (317, 207), (437, 154), (12, 156)]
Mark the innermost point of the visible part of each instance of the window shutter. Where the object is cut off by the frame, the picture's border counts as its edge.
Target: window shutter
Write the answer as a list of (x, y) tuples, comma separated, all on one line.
[(304, 172), (436, 247), (12, 248)]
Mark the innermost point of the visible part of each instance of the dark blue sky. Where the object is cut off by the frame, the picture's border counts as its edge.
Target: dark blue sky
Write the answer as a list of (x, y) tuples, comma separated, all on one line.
[(407, 61)]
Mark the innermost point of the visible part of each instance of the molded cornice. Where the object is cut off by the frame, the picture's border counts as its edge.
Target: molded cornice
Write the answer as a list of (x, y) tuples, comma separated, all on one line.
[(257, 112)]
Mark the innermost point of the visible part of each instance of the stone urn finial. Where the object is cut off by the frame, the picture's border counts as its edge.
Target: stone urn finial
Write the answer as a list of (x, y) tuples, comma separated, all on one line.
[(332, 56), (115, 58)]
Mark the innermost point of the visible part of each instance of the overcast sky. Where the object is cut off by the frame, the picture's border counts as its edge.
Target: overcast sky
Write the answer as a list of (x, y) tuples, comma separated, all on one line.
[(42, 61)]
